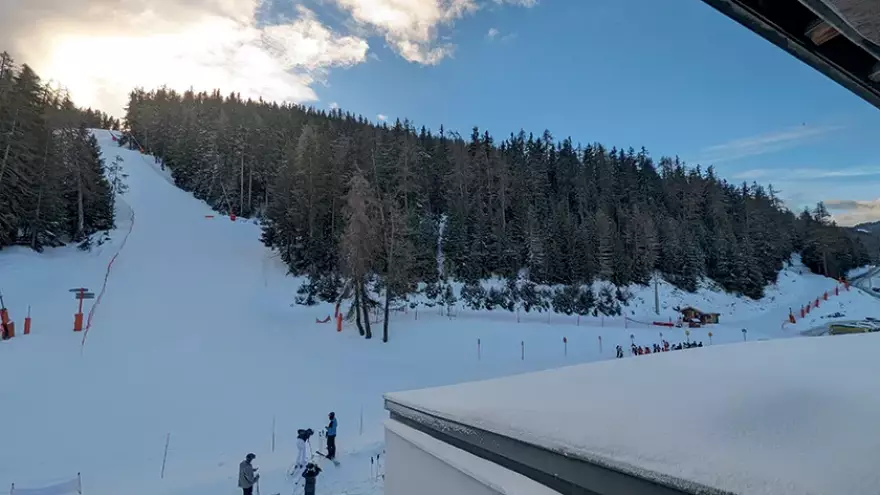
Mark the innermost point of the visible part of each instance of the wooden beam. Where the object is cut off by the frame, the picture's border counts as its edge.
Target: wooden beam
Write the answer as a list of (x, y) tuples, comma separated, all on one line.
[(821, 32)]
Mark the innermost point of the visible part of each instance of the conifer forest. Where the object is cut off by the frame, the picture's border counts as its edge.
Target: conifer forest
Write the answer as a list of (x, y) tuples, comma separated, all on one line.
[(364, 209), (346, 202), (54, 186)]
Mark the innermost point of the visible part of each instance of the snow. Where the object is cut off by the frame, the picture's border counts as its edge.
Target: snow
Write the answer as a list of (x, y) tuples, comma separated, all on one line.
[(196, 337), (858, 272), (753, 418), (498, 479)]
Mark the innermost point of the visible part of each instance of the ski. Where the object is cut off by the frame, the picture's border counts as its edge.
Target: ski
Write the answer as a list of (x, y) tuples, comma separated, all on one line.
[(334, 461)]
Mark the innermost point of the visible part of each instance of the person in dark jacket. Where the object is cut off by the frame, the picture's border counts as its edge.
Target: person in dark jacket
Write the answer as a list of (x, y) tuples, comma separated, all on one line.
[(311, 474), (331, 436), (247, 476)]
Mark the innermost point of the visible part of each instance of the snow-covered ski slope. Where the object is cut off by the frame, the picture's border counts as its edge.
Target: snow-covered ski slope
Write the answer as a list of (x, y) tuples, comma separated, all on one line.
[(195, 342)]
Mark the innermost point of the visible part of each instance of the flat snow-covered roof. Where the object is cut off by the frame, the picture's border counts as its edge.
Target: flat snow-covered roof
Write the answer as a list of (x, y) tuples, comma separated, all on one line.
[(793, 416)]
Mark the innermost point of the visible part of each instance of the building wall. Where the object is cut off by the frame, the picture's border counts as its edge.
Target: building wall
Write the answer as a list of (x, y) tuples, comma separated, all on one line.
[(410, 470)]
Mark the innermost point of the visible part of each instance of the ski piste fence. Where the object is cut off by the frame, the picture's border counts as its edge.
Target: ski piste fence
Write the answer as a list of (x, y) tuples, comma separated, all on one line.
[(73, 485), (804, 311), (586, 323)]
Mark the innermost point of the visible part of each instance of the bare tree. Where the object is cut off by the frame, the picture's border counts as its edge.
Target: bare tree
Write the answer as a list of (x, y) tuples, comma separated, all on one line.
[(360, 242)]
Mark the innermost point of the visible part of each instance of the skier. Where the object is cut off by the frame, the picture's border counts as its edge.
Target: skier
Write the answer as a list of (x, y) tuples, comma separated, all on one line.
[(331, 436), (246, 475), (310, 474), (302, 436)]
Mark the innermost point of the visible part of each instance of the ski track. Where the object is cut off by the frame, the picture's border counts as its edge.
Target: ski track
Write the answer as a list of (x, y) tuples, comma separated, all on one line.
[(196, 337)]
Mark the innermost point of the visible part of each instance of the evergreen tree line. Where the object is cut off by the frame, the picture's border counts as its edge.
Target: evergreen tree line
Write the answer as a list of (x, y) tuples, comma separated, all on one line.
[(53, 188), (349, 203)]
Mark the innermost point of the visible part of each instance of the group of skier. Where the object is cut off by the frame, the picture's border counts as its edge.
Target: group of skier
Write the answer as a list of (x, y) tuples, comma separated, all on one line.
[(666, 347), (247, 473)]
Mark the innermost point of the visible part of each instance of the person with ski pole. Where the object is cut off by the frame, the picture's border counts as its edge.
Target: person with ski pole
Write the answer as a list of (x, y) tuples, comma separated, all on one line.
[(331, 436), (302, 436), (311, 474), (247, 476)]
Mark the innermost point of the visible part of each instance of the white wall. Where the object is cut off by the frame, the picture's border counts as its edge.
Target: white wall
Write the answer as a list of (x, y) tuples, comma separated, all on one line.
[(411, 470)]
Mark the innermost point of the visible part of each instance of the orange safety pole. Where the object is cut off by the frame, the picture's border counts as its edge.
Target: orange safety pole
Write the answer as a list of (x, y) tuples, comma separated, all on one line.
[(27, 322), (78, 317), (339, 322)]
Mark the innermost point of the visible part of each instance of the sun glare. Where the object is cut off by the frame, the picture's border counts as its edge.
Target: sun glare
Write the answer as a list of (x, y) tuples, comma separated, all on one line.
[(214, 53)]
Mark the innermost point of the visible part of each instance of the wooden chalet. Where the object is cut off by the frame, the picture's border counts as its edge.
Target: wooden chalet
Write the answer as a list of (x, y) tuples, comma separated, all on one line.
[(692, 314)]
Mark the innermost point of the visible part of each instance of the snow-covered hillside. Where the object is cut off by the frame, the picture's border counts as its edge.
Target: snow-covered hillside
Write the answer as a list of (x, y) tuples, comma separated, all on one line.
[(195, 342)]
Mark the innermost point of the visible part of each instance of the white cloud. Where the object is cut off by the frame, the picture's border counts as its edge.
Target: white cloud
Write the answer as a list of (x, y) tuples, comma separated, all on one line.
[(410, 26), (101, 49), (492, 34), (852, 212), (762, 144), (382, 117), (803, 174), (333, 105)]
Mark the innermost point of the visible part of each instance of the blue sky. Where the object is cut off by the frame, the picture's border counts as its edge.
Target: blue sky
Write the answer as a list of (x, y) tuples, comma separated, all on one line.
[(675, 76)]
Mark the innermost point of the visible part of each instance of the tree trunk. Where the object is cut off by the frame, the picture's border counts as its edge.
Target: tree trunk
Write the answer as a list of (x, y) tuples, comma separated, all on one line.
[(80, 213), (357, 307), (241, 187), (387, 306), (366, 309), (825, 260), (40, 195), (8, 146), (250, 190)]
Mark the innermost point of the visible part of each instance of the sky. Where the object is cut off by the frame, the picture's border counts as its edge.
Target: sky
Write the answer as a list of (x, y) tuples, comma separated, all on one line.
[(676, 77)]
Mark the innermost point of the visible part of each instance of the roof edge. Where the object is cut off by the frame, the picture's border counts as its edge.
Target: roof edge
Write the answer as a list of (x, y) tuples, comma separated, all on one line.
[(556, 470), (768, 30)]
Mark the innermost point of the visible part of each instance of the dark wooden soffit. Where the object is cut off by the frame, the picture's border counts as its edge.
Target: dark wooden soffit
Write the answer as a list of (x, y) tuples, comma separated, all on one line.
[(840, 38)]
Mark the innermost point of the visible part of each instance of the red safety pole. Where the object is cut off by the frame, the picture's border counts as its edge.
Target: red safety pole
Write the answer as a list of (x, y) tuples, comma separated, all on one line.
[(27, 322)]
